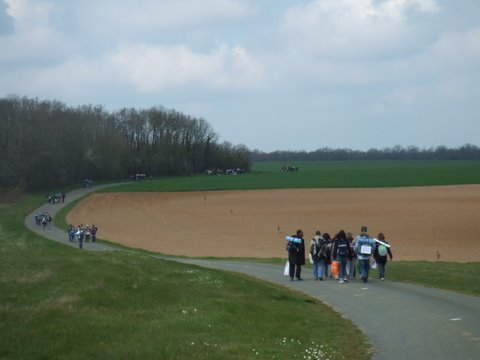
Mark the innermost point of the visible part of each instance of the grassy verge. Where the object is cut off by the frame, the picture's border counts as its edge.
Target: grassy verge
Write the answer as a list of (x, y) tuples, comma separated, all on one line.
[(460, 277), (58, 302)]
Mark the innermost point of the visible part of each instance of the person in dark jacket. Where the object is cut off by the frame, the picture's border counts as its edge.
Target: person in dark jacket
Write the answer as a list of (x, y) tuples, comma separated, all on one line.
[(296, 256), (328, 254), (380, 254), (341, 252)]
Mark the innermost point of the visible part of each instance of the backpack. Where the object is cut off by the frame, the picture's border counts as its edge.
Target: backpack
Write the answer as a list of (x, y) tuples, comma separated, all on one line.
[(342, 248), (291, 247), (322, 251), (382, 250)]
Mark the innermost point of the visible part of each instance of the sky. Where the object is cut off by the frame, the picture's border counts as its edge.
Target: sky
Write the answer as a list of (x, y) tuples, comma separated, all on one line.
[(268, 74)]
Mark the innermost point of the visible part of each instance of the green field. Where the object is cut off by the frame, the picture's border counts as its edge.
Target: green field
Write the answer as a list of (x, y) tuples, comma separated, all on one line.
[(325, 174), (58, 302)]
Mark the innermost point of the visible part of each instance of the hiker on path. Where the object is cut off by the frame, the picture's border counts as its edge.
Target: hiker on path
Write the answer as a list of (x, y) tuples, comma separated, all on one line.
[(318, 252), (381, 253), (94, 233), (364, 248), (352, 258), (328, 253), (296, 255), (341, 252), (81, 235)]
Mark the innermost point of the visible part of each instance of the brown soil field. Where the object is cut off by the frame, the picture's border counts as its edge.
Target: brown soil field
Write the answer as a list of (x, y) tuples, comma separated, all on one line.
[(420, 223)]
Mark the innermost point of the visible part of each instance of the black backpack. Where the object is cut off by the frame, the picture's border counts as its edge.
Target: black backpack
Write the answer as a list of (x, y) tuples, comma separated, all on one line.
[(322, 248), (342, 248), (291, 247)]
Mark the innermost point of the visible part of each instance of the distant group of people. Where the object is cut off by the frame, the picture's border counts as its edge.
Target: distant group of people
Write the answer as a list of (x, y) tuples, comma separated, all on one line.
[(56, 198), (43, 219), (288, 169), (229, 171), (139, 177), (87, 183), (82, 233), (343, 249)]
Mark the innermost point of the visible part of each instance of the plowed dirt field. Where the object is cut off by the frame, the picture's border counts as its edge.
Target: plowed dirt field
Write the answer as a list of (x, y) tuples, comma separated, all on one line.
[(421, 223)]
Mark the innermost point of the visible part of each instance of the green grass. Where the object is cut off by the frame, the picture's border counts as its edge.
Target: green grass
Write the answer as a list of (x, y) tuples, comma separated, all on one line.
[(325, 174), (459, 277), (59, 302)]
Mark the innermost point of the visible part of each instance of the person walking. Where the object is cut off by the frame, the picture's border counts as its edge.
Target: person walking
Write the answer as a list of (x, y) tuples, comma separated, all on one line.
[(364, 248), (94, 233), (328, 253), (352, 258), (318, 252), (81, 235), (381, 253), (296, 255), (341, 252)]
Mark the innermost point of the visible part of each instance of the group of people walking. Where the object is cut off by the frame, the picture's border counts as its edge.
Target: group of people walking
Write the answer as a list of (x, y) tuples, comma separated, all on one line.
[(343, 250), (82, 233)]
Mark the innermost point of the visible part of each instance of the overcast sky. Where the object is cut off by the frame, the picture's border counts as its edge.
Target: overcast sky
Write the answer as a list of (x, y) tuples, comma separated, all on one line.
[(269, 74)]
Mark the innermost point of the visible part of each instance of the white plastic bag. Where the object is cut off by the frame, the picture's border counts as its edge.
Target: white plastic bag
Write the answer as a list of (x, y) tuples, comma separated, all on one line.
[(286, 271)]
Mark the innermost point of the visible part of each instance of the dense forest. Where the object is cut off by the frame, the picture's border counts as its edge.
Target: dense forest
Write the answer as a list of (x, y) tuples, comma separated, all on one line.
[(44, 144), (465, 152)]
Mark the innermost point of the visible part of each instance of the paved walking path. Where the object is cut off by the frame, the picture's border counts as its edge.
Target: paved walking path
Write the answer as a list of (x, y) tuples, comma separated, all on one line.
[(402, 321), (58, 235)]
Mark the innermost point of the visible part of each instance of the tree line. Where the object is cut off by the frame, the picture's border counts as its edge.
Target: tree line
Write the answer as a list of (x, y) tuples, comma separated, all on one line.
[(46, 143), (465, 152)]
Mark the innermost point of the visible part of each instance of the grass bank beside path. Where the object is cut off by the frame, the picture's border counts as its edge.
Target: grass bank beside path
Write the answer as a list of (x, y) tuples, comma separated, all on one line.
[(459, 277), (60, 302)]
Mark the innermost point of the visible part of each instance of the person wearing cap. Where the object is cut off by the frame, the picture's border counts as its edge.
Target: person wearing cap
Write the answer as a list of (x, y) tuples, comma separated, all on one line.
[(364, 248)]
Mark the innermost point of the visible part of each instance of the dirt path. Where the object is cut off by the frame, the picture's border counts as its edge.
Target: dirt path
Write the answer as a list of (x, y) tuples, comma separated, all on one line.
[(417, 221)]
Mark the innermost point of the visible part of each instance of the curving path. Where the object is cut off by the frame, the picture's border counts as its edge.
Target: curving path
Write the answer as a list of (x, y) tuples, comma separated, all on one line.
[(58, 235), (402, 321)]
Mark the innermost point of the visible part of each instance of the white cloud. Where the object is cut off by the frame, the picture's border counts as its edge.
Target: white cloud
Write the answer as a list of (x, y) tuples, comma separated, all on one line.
[(34, 36), (352, 28), (152, 68), (30, 15), (134, 18)]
